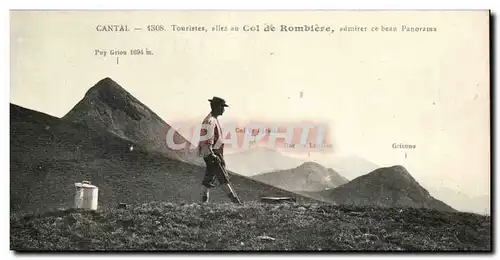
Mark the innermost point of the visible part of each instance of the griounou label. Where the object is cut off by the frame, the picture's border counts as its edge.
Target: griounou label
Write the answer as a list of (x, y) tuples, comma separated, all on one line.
[(403, 146)]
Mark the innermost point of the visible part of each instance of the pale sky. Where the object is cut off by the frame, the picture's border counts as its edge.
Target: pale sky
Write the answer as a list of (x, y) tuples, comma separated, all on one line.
[(373, 89)]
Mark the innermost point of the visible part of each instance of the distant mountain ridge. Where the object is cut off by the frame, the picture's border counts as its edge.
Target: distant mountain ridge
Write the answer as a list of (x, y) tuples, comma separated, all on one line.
[(462, 201), (259, 160), (309, 176), (352, 166), (388, 187)]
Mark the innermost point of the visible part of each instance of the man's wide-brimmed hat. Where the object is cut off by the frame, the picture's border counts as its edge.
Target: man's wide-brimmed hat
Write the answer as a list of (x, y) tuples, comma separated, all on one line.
[(218, 100)]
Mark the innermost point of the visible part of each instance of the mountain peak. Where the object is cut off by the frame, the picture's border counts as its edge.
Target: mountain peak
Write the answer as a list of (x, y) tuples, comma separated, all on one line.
[(109, 93), (311, 165), (309, 176), (106, 82), (396, 172), (107, 87), (398, 168), (107, 106)]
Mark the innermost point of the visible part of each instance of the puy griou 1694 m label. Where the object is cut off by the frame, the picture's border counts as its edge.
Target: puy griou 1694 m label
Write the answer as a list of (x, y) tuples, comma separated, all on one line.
[(123, 52)]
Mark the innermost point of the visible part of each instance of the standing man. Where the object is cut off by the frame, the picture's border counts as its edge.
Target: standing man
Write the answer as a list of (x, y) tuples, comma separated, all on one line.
[(211, 148)]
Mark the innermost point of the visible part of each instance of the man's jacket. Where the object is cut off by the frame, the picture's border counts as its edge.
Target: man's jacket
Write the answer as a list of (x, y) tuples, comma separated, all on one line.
[(211, 135)]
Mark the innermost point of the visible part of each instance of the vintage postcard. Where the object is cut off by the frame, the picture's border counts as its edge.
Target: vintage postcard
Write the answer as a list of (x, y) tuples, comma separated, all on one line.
[(250, 131)]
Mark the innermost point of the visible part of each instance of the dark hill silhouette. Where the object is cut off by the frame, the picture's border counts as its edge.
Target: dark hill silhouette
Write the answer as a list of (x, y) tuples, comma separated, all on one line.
[(48, 155), (387, 187), (107, 106), (48, 137), (309, 176)]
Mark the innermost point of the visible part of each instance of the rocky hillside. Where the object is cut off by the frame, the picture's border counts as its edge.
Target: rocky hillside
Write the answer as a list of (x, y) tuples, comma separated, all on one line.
[(108, 107), (308, 176), (388, 187)]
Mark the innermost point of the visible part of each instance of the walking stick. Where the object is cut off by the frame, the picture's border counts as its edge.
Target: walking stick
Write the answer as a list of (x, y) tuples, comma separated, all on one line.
[(231, 190)]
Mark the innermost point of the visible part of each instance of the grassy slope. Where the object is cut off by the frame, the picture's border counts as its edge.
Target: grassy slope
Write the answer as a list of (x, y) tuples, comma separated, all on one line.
[(167, 226)]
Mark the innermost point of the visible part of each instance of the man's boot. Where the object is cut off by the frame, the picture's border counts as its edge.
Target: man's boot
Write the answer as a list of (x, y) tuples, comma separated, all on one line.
[(204, 198), (205, 195)]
